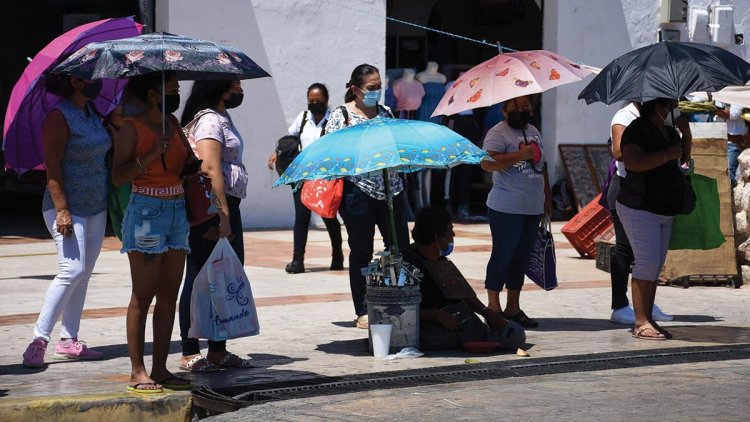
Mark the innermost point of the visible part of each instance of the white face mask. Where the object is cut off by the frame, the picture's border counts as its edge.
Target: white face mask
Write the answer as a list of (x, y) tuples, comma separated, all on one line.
[(668, 120)]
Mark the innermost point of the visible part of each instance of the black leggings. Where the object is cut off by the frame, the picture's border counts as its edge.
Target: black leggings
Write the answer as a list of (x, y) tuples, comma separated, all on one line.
[(302, 216)]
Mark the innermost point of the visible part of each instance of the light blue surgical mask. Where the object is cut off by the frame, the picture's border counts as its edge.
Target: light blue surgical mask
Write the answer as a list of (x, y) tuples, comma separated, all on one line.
[(371, 98), (447, 251)]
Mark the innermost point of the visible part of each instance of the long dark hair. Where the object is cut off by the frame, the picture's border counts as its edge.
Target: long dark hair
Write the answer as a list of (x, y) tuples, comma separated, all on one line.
[(358, 76), (320, 87), (205, 94), (139, 85), (59, 84)]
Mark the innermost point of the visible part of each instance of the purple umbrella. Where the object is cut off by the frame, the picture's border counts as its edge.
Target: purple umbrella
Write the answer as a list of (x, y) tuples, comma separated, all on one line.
[(30, 102)]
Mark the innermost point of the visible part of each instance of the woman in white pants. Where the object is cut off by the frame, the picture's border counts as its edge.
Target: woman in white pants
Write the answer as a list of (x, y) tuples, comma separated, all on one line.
[(74, 209)]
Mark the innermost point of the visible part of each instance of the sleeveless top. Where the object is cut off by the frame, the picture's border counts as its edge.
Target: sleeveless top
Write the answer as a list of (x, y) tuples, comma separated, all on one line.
[(84, 173), (155, 175)]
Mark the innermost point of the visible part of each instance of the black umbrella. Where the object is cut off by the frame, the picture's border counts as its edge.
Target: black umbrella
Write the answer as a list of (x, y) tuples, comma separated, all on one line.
[(666, 70)]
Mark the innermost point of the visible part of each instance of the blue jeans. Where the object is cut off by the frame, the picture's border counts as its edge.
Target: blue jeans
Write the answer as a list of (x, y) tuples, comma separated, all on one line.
[(361, 214), (154, 225), (733, 153), (513, 237), (201, 248)]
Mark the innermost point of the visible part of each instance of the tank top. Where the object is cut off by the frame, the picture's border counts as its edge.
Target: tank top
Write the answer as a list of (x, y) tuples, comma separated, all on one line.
[(155, 175), (84, 173)]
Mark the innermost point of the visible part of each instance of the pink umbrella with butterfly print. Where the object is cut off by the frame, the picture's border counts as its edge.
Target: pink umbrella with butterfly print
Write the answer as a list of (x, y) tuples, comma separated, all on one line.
[(507, 76)]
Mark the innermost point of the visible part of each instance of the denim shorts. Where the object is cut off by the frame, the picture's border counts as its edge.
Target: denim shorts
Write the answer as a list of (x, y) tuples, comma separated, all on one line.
[(153, 225)]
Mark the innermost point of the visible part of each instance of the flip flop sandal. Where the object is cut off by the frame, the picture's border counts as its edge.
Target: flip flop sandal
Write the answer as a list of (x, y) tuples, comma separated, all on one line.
[(244, 363), (638, 333), (180, 384), (136, 388), (664, 332), (193, 365)]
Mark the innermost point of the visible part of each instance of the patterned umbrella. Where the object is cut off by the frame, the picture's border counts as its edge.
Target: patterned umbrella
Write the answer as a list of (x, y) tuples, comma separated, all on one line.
[(378, 144), (30, 102), (382, 145), (189, 58), (507, 76)]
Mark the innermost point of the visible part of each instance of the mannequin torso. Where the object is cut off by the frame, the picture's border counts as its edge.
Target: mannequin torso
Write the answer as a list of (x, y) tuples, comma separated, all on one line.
[(431, 74)]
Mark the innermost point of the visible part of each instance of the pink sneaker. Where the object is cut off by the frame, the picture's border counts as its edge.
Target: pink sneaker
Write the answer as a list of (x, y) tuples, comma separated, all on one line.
[(33, 357), (74, 349)]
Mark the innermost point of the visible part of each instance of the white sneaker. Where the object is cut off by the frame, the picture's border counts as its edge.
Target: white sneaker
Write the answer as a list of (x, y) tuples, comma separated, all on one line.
[(658, 315), (624, 315)]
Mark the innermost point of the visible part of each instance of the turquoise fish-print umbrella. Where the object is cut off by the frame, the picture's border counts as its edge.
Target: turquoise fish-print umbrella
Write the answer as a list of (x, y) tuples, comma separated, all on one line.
[(382, 145)]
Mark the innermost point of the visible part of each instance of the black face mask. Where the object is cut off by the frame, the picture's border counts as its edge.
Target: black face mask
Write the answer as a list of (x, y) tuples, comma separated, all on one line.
[(317, 108), (518, 119), (172, 103), (92, 90), (235, 99)]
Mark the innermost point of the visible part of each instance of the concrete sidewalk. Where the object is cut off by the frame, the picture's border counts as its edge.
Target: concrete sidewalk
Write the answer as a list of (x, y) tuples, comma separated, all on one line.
[(307, 325)]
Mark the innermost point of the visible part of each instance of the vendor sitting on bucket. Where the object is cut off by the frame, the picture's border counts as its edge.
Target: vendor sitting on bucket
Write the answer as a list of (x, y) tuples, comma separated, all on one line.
[(448, 315)]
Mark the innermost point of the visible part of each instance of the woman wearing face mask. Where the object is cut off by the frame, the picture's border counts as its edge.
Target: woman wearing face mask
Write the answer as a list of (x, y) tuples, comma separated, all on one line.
[(650, 196), (219, 144), (519, 197), (309, 126), (363, 206), (449, 307), (74, 209), (155, 227)]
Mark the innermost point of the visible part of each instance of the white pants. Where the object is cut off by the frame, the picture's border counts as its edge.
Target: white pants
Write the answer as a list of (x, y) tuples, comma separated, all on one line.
[(76, 256), (649, 235)]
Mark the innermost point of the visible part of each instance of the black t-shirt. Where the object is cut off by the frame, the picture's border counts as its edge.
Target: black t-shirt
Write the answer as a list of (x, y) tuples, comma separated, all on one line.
[(432, 296), (660, 189)]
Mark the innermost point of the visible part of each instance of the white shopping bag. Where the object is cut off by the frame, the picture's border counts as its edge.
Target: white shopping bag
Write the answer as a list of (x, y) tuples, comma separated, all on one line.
[(222, 305)]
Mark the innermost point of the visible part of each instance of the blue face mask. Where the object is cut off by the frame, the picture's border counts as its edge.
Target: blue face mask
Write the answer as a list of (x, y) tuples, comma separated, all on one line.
[(371, 98), (447, 251)]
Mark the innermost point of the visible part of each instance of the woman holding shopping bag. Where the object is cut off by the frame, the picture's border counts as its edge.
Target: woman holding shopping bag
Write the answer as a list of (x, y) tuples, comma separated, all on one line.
[(217, 142), (155, 227), (308, 127)]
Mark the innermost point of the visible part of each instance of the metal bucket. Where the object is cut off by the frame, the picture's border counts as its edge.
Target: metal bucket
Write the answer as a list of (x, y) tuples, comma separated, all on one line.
[(398, 306)]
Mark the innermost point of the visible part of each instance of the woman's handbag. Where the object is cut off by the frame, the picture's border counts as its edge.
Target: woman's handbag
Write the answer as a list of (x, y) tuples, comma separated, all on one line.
[(222, 305), (198, 197), (198, 204), (323, 197), (688, 197), (542, 267)]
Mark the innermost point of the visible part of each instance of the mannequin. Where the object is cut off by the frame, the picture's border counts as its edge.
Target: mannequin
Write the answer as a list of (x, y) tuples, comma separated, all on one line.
[(408, 92), (431, 74)]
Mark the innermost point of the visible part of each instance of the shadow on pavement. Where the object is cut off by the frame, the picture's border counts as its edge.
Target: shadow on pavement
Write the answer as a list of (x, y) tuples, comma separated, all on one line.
[(576, 324), (710, 334), (696, 318)]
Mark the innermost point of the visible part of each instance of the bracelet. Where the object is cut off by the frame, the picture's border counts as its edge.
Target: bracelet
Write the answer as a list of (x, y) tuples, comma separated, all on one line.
[(139, 163)]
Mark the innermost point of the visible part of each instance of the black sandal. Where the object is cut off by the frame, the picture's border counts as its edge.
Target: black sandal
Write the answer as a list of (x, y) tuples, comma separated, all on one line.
[(524, 320)]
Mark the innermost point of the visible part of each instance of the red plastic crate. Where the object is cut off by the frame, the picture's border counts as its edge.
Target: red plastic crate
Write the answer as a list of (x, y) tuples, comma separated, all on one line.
[(589, 225)]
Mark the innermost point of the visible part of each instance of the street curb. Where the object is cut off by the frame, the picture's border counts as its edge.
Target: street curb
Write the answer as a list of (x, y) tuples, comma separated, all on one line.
[(105, 407)]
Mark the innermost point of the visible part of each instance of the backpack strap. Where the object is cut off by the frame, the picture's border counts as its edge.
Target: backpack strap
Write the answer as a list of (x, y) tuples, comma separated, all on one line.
[(387, 111), (345, 112), (302, 126)]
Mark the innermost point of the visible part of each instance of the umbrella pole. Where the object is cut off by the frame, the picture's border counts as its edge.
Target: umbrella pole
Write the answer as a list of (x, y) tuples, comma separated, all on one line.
[(391, 218), (163, 115)]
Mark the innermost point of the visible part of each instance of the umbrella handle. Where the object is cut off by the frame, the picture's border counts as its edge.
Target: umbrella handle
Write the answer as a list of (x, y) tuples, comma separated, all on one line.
[(163, 115)]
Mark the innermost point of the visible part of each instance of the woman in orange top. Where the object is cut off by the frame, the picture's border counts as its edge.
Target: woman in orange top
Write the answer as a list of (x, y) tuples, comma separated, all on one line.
[(155, 227)]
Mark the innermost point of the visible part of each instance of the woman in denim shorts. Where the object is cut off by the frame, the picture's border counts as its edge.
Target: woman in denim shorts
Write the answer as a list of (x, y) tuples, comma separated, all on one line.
[(155, 227)]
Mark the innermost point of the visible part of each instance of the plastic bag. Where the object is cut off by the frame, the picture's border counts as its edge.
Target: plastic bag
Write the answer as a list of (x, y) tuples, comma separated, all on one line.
[(222, 305), (405, 353), (323, 197), (701, 229)]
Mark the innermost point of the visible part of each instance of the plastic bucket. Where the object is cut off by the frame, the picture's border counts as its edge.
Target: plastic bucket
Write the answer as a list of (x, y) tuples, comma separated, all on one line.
[(399, 307)]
